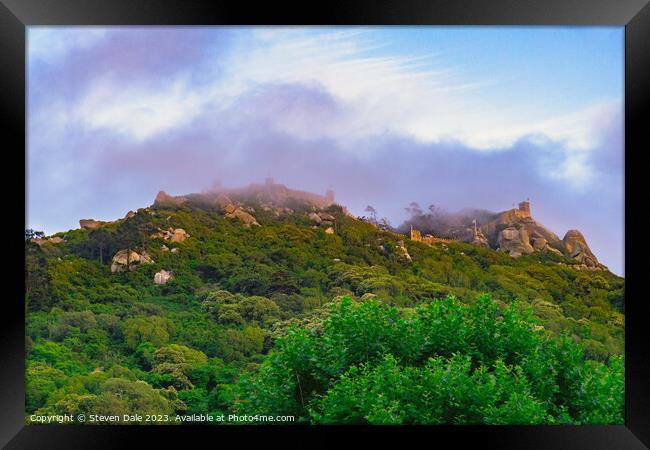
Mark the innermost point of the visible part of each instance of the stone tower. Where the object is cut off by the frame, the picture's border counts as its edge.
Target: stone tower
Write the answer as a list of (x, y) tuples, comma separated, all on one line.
[(415, 235), (524, 208)]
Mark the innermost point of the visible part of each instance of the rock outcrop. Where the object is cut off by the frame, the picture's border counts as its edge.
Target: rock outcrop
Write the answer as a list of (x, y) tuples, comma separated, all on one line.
[(90, 224), (235, 212), (324, 220), (516, 232), (145, 258), (171, 234), (521, 219), (576, 247), (179, 235), (514, 241), (519, 234), (162, 277), (52, 240), (553, 250), (163, 199), (124, 260), (538, 241)]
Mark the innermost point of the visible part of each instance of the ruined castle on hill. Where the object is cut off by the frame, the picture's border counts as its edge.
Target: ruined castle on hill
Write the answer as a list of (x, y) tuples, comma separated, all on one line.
[(515, 232)]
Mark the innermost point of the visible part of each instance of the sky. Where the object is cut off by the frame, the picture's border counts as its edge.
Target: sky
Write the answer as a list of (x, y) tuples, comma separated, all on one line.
[(458, 117)]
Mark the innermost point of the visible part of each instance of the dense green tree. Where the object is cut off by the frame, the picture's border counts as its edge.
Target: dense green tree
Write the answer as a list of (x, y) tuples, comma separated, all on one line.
[(332, 328), (140, 329), (31, 234), (444, 362), (38, 290)]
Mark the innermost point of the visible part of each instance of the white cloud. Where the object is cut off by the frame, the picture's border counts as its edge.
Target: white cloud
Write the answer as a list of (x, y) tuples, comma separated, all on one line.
[(139, 112), (378, 93), (413, 95)]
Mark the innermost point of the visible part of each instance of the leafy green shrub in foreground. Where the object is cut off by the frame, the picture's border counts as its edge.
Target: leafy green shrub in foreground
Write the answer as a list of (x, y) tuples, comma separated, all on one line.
[(443, 362)]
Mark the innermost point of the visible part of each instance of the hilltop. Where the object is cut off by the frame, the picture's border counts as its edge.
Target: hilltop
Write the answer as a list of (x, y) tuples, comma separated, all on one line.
[(513, 231)]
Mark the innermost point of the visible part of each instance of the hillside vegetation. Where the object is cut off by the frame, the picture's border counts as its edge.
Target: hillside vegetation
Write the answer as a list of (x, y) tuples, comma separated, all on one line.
[(331, 327)]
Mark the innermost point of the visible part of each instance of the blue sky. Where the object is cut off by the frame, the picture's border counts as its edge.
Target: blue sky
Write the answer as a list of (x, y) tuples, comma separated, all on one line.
[(455, 116)]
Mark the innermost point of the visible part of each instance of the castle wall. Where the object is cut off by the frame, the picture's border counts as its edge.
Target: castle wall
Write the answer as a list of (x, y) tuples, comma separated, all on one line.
[(416, 236)]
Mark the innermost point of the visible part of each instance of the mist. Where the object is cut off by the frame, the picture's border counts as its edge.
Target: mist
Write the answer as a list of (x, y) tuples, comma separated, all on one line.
[(438, 222)]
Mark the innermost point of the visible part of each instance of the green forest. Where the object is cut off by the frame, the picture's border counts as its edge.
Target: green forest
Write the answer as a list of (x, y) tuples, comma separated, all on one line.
[(330, 328)]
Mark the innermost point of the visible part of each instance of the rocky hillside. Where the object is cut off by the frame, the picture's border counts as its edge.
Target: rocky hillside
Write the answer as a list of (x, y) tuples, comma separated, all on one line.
[(267, 195), (517, 233), (181, 302), (514, 231)]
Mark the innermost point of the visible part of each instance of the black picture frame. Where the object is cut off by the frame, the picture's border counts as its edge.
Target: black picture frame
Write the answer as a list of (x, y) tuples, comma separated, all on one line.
[(16, 15)]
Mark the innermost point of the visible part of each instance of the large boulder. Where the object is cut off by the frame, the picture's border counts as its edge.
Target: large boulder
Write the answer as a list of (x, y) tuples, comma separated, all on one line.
[(160, 234), (145, 258), (171, 234), (179, 235), (125, 260), (576, 247), (51, 240), (315, 218), (553, 250), (90, 224), (162, 277), (538, 241), (514, 241), (242, 215), (326, 217)]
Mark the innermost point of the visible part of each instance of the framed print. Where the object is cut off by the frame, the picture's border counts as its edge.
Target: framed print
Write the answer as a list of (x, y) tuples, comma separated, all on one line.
[(389, 218)]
